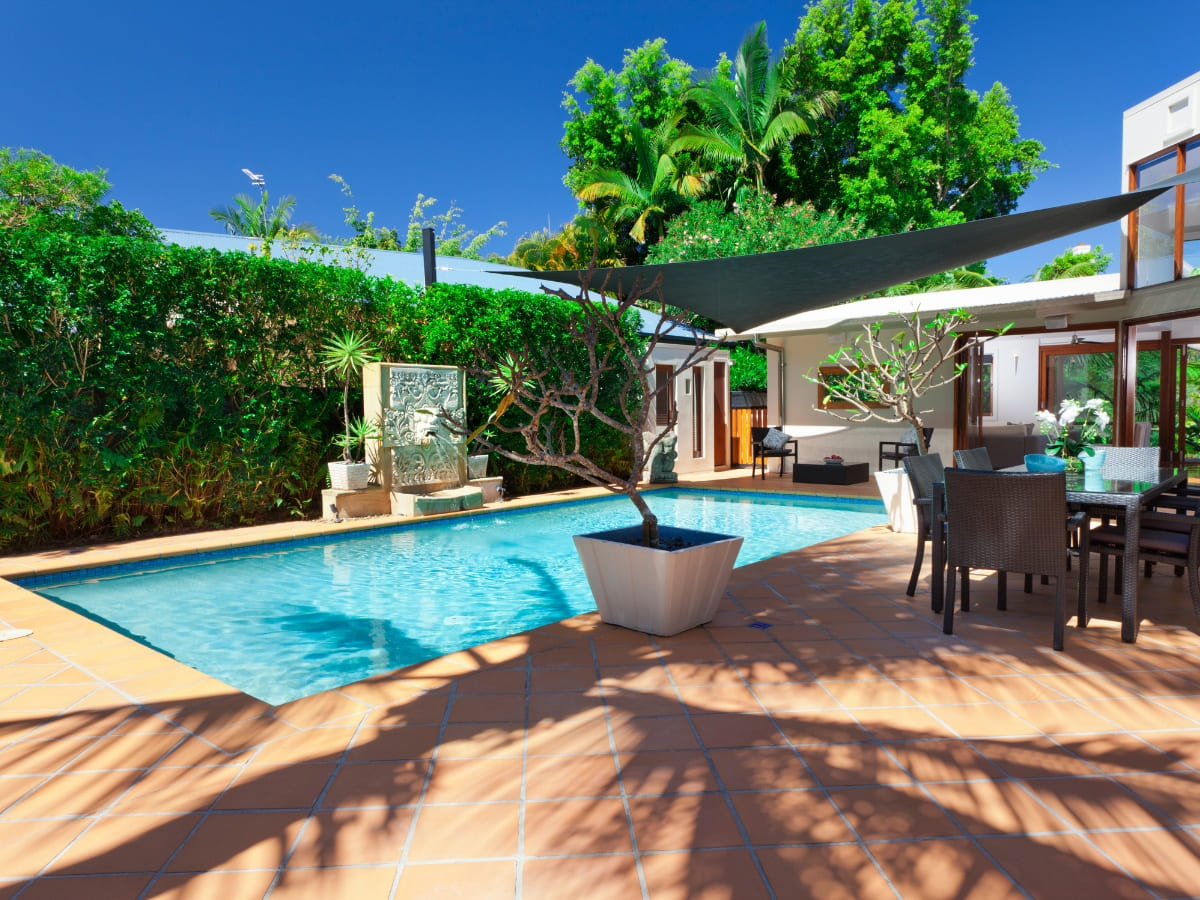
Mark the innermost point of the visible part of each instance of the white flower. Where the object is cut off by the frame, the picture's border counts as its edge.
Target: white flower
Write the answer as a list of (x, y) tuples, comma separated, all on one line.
[(1068, 412), (1094, 403), (1047, 424), (1101, 419)]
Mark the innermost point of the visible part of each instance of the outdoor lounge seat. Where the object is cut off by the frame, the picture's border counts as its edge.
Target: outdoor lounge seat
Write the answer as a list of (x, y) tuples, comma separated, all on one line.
[(763, 453), (1010, 522), (896, 451)]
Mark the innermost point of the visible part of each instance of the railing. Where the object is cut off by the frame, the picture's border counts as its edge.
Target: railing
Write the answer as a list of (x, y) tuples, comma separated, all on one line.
[(740, 422)]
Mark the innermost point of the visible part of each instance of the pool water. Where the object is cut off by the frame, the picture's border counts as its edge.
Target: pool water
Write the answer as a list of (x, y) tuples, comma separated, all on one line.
[(287, 620)]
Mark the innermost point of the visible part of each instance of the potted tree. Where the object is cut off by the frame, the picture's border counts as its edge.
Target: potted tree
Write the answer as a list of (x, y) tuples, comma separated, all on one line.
[(883, 374), (650, 577), (344, 356)]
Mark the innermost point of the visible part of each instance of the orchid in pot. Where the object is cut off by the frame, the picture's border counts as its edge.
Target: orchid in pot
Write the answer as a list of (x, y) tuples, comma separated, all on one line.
[(1073, 431)]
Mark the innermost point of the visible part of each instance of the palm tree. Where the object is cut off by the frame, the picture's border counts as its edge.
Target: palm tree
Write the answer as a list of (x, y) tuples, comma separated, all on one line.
[(662, 178), (750, 115), (245, 217), (953, 280)]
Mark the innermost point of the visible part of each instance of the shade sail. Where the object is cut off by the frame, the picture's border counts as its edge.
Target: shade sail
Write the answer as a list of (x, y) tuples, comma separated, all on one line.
[(744, 291)]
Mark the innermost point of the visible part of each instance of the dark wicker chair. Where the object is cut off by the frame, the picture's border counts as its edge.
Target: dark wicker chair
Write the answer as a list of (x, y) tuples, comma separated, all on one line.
[(976, 458), (896, 451), (923, 472), (1163, 538), (1010, 522), (762, 454)]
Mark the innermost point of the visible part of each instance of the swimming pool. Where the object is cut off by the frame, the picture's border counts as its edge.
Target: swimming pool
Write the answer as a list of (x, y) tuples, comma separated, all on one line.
[(286, 620)]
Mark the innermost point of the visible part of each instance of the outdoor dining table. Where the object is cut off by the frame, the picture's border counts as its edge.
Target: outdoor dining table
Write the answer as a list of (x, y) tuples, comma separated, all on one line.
[(1120, 492)]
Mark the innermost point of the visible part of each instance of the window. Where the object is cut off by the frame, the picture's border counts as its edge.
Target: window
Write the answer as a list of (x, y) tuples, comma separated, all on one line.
[(1190, 264), (837, 376), (664, 400), (1155, 236), (986, 407), (697, 412)]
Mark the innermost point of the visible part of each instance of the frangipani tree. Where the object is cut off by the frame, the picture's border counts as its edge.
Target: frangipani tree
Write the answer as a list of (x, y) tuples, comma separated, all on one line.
[(887, 370)]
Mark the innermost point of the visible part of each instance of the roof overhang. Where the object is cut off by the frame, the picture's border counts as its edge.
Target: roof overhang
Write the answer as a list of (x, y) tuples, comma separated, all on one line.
[(744, 292)]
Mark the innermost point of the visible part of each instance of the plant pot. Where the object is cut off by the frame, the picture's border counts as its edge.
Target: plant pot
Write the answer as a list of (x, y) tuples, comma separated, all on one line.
[(896, 492), (657, 591), (477, 466), (349, 476)]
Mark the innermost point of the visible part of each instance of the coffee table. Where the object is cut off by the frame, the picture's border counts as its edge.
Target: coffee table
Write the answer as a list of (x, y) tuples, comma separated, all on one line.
[(824, 473)]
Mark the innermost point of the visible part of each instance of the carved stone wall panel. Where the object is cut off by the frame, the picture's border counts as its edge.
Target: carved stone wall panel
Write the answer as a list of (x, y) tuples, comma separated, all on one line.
[(419, 450)]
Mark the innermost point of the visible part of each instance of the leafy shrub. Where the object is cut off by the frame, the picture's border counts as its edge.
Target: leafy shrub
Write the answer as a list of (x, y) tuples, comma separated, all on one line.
[(146, 387)]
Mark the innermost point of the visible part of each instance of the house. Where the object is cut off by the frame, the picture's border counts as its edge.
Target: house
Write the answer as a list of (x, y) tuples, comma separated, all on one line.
[(700, 393), (1132, 337)]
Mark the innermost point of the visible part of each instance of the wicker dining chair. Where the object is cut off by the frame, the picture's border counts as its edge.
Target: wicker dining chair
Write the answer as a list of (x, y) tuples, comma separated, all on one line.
[(1011, 522), (923, 472), (1163, 538), (976, 458)]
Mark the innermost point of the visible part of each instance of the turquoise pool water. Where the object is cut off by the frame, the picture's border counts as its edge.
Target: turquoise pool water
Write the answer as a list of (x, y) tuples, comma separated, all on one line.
[(287, 620)]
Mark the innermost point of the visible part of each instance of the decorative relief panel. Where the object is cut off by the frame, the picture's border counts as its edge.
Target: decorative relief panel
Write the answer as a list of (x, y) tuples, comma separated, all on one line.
[(423, 450)]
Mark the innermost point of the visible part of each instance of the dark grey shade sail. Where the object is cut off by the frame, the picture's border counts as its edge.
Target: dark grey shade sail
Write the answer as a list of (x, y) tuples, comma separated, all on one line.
[(742, 292)]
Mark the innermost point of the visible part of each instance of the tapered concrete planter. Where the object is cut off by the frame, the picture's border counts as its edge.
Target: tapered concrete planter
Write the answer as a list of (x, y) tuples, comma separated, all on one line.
[(349, 476), (657, 591), (896, 492)]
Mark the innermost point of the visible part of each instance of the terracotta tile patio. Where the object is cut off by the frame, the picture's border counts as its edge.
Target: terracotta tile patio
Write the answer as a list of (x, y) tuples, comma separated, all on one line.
[(821, 738)]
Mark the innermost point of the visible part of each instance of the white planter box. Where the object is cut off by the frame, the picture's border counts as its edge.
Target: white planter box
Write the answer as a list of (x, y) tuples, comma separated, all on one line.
[(657, 591), (896, 492), (349, 476)]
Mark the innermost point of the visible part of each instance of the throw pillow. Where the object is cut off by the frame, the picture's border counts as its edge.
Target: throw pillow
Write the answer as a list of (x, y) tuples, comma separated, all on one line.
[(909, 436), (774, 439)]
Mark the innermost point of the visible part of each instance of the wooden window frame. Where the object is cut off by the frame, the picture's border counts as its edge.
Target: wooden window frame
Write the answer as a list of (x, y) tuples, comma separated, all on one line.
[(839, 404)]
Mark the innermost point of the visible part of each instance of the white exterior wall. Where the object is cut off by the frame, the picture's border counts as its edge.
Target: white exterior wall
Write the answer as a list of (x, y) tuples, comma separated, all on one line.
[(668, 354), (821, 433), (1161, 121)]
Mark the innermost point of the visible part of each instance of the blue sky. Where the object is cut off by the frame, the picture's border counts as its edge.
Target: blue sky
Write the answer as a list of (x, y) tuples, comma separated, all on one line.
[(461, 101)]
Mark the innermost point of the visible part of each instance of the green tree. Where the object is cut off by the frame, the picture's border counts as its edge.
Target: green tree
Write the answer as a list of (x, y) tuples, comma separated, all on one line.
[(572, 247), (747, 368), (659, 186), (1075, 264), (909, 145), (750, 114), (756, 224), (603, 107), (972, 276), (250, 219), (36, 192)]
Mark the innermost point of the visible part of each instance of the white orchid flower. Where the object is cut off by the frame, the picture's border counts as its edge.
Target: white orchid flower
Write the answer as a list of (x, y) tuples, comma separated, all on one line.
[(1094, 403), (1102, 420), (1068, 413)]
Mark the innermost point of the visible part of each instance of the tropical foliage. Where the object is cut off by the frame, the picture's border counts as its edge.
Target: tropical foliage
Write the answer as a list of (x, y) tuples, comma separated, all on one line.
[(754, 225), (146, 388), (1075, 262), (749, 113), (38, 193), (249, 219), (452, 236)]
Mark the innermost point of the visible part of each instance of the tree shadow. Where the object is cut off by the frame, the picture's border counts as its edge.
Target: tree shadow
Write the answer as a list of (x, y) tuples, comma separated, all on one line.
[(810, 798)]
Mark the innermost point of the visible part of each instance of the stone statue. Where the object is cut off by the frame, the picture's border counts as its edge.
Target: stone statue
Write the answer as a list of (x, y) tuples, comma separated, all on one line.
[(662, 462)]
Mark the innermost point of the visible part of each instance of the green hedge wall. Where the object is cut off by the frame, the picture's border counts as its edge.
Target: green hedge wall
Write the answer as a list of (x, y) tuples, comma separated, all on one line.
[(148, 388)]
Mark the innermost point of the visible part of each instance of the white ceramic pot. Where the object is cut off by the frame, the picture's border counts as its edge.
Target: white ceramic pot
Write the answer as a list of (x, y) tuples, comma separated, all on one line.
[(896, 492), (349, 476), (654, 590)]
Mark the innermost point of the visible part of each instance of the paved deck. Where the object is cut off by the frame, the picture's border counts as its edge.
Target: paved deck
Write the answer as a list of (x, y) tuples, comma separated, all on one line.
[(847, 750)]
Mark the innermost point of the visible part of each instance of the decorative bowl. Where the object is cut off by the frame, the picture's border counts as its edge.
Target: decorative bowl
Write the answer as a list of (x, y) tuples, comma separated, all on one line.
[(1040, 462), (833, 460)]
